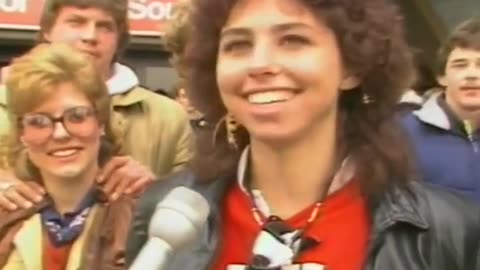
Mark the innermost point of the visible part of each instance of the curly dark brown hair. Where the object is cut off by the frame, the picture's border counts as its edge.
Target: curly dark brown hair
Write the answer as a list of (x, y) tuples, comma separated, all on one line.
[(466, 35), (371, 38)]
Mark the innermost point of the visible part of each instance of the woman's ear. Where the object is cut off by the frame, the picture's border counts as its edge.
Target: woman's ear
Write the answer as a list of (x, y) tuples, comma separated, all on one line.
[(350, 82), (442, 80)]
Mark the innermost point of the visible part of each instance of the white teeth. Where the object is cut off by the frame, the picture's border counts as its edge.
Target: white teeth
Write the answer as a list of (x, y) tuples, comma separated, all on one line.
[(270, 97), (64, 153)]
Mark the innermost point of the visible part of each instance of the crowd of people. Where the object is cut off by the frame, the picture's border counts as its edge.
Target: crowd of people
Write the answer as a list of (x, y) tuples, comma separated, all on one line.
[(290, 125)]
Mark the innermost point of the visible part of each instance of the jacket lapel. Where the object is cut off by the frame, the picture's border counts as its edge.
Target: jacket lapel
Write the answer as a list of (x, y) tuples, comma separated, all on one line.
[(28, 241), (77, 251), (398, 205)]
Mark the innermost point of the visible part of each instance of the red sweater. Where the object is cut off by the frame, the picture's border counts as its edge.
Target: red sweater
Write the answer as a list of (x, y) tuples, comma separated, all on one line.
[(342, 228), (54, 258)]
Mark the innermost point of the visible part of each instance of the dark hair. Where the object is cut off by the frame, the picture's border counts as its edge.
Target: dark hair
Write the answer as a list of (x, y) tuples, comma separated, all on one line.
[(177, 32), (466, 35), (371, 39), (118, 9)]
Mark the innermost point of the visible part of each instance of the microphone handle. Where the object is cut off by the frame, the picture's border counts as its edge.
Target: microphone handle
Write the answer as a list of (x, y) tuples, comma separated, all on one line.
[(153, 256)]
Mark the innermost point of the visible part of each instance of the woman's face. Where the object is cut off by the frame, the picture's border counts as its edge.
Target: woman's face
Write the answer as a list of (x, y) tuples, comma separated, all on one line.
[(279, 69), (62, 134)]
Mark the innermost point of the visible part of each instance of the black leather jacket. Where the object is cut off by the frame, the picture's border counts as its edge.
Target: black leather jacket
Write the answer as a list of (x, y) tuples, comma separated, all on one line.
[(424, 228)]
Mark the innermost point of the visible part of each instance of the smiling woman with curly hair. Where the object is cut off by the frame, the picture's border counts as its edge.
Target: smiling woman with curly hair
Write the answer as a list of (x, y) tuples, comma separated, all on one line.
[(309, 168)]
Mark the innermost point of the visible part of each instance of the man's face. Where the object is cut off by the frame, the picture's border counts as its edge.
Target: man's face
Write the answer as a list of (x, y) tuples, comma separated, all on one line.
[(462, 80), (90, 30)]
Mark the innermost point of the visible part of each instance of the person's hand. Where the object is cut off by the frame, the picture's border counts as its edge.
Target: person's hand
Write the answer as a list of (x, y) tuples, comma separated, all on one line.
[(124, 175), (15, 193)]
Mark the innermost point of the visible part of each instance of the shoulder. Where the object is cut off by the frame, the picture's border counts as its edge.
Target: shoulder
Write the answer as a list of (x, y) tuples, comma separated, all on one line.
[(159, 189), (410, 120), (152, 98), (10, 218), (415, 128), (161, 108), (449, 213)]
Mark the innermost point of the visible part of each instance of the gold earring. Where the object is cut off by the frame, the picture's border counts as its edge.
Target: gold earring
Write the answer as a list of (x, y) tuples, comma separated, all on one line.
[(367, 99), (231, 127)]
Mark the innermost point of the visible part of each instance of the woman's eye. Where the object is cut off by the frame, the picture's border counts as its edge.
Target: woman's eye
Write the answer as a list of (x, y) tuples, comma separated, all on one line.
[(37, 121), (459, 65), (294, 41), (236, 46)]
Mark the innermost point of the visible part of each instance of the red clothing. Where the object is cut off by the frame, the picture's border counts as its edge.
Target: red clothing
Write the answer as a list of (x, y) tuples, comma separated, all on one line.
[(342, 228), (54, 258)]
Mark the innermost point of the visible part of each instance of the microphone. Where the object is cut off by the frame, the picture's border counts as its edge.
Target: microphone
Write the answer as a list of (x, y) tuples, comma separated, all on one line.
[(176, 222)]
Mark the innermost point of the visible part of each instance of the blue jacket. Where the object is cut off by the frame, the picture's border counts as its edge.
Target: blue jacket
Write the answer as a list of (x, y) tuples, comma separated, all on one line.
[(447, 153)]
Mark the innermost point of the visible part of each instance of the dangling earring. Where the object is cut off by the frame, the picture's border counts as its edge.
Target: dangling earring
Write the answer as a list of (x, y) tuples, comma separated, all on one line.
[(231, 127), (367, 99)]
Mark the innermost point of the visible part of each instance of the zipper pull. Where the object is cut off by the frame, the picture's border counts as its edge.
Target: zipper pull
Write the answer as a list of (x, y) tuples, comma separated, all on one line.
[(470, 131)]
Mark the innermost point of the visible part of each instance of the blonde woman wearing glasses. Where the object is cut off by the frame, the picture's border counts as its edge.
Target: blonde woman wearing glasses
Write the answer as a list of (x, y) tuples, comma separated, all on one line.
[(62, 136)]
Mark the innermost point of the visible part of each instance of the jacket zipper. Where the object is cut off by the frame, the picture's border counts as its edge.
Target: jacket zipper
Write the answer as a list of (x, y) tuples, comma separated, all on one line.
[(470, 134)]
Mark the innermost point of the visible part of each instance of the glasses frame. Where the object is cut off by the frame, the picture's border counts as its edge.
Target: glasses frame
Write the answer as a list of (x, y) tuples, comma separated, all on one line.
[(63, 119)]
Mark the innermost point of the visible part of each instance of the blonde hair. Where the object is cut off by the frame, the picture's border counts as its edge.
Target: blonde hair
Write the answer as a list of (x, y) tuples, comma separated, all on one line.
[(33, 79), (177, 32)]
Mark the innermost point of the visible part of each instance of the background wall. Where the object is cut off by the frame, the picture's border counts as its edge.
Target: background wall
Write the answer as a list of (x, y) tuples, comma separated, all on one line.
[(455, 11)]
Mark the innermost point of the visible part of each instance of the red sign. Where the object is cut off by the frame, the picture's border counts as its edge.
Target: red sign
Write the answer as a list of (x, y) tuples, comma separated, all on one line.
[(147, 17)]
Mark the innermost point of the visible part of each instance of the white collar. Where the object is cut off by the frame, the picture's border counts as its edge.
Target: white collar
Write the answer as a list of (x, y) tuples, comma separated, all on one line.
[(342, 177), (122, 81)]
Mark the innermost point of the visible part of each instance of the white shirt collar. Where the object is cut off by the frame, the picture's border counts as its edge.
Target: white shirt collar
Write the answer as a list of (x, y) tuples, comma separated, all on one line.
[(342, 177)]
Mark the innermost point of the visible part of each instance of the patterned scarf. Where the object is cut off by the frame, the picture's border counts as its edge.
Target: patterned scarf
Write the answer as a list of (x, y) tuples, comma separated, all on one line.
[(63, 230)]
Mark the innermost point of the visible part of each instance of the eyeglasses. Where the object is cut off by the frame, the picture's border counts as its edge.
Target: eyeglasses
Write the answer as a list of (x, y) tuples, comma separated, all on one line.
[(78, 121)]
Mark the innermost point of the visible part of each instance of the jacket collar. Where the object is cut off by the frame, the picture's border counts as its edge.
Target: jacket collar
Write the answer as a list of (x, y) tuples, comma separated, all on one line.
[(398, 205), (342, 177), (28, 241), (136, 95), (122, 81), (432, 113), (410, 96)]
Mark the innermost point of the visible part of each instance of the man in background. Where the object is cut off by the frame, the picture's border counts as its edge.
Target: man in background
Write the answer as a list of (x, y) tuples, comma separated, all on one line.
[(444, 132)]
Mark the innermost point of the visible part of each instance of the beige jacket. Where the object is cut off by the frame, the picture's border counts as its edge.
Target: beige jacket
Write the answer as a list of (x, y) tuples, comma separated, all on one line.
[(100, 246), (155, 130), (27, 251)]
